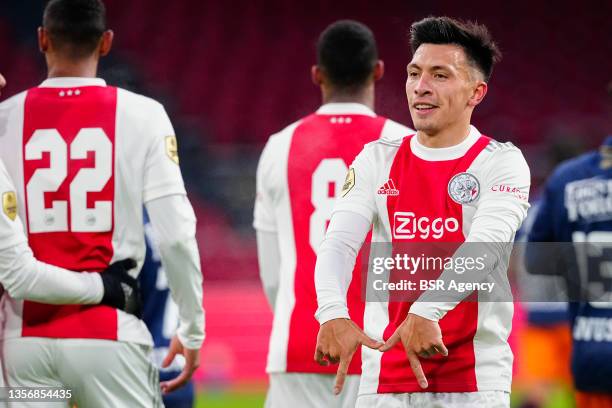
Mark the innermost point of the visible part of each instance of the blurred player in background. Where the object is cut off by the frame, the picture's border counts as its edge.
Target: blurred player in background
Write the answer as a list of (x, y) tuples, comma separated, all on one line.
[(575, 207), (160, 314), (450, 174), (85, 157), (299, 177)]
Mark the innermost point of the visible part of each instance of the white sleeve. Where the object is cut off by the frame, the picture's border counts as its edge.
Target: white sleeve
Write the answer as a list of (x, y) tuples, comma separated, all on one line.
[(335, 262), (162, 174), (268, 256), (174, 223), (265, 191), (498, 216), (357, 194), (24, 277)]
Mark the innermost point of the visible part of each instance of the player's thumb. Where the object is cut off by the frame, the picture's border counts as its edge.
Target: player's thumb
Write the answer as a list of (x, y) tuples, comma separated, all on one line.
[(169, 357)]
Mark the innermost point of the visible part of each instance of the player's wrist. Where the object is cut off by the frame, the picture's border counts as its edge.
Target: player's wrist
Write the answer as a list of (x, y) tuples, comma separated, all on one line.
[(337, 312)]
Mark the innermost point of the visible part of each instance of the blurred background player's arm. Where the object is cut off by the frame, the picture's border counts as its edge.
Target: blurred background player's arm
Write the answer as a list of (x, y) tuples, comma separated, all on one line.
[(545, 259), (268, 252), (348, 227), (174, 223)]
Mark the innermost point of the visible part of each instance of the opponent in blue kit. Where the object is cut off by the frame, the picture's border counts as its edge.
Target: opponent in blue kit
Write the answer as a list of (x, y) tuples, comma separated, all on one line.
[(577, 207)]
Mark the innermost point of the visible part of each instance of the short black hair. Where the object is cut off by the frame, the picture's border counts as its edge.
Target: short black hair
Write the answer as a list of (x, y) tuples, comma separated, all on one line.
[(474, 38), (347, 54), (75, 26)]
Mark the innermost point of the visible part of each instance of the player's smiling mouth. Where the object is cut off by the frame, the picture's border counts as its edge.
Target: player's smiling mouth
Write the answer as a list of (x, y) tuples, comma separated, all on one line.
[(424, 107)]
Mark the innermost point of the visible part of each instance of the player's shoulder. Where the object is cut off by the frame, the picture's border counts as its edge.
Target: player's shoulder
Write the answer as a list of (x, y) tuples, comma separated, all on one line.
[(136, 104), (497, 153), (496, 147), (13, 102), (284, 135), (391, 136)]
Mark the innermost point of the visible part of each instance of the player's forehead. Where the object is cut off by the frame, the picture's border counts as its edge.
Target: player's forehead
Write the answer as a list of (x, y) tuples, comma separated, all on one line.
[(429, 56)]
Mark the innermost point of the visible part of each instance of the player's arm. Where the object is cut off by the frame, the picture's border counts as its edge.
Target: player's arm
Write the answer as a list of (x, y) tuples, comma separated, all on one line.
[(174, 223), (264, 222), (339, 337), (498, 216), (24, 277)]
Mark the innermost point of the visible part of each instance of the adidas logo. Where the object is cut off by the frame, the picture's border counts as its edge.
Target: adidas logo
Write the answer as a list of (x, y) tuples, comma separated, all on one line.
[(388, 189)]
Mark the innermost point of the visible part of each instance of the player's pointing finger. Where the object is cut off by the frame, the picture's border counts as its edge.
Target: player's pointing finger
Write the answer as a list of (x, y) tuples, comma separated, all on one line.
[(415, 365)]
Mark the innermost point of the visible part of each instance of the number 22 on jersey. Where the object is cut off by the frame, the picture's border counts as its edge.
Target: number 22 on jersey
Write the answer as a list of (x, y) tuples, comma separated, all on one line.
[(90, 157)]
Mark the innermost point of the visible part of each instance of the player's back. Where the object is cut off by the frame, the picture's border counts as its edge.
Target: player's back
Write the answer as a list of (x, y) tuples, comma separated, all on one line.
[(84, 157), (303, 169)]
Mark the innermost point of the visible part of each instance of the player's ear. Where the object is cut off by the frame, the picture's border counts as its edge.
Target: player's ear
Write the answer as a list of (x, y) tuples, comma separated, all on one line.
[(43, 39), (379, 70), (316, 75), (106, 42), (478, 93)]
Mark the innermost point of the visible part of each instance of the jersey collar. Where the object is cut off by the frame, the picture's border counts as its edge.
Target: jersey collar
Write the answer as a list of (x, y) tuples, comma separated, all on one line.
[(345, 108), (444, 153), (71, 82)]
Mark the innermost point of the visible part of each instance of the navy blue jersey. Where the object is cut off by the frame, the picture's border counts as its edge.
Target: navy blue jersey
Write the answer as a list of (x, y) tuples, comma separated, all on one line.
[(577, 207), (160, 314)]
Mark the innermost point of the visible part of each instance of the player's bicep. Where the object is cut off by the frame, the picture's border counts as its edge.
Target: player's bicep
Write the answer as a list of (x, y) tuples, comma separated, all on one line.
[(357, 193), (263, 213), (162, 175)]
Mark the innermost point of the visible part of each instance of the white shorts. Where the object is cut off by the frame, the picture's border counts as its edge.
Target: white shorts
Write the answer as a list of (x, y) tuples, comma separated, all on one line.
[(297, 390), (99, 373), (480, 399)]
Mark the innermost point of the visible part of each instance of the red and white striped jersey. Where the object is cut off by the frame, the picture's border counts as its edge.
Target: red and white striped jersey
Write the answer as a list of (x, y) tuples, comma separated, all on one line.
[(84, 158), (300, 174), (401, 177)]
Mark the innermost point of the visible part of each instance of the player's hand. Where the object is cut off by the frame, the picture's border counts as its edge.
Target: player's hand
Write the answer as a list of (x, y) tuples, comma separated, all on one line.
[(337, 342), (121, 291), (192, 362), (421, 338)]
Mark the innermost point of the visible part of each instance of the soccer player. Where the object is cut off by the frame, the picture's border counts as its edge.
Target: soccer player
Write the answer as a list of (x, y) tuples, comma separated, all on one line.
[(575, 208), (299, 177), (161, 317), (448, 178), (23, 277), (85, 157)]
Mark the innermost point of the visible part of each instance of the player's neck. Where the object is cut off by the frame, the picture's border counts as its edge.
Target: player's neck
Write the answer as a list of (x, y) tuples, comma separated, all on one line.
[(364, 96), (76, 69), (450, 136)]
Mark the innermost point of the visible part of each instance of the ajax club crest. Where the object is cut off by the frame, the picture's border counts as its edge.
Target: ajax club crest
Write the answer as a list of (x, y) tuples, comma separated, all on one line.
[(463, 188)]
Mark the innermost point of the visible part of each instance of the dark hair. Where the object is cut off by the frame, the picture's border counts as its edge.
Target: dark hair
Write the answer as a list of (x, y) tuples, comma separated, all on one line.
[(347, 54), (474, 38), (75, 26)]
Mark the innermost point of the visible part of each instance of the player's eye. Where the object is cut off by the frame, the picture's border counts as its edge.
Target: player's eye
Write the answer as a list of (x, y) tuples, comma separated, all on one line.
[(440, 76), (413, 74)]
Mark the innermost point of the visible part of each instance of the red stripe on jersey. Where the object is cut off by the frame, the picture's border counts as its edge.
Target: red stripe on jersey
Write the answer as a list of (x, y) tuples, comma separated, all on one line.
[(63, 114), (320, 153), (423, 187)]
